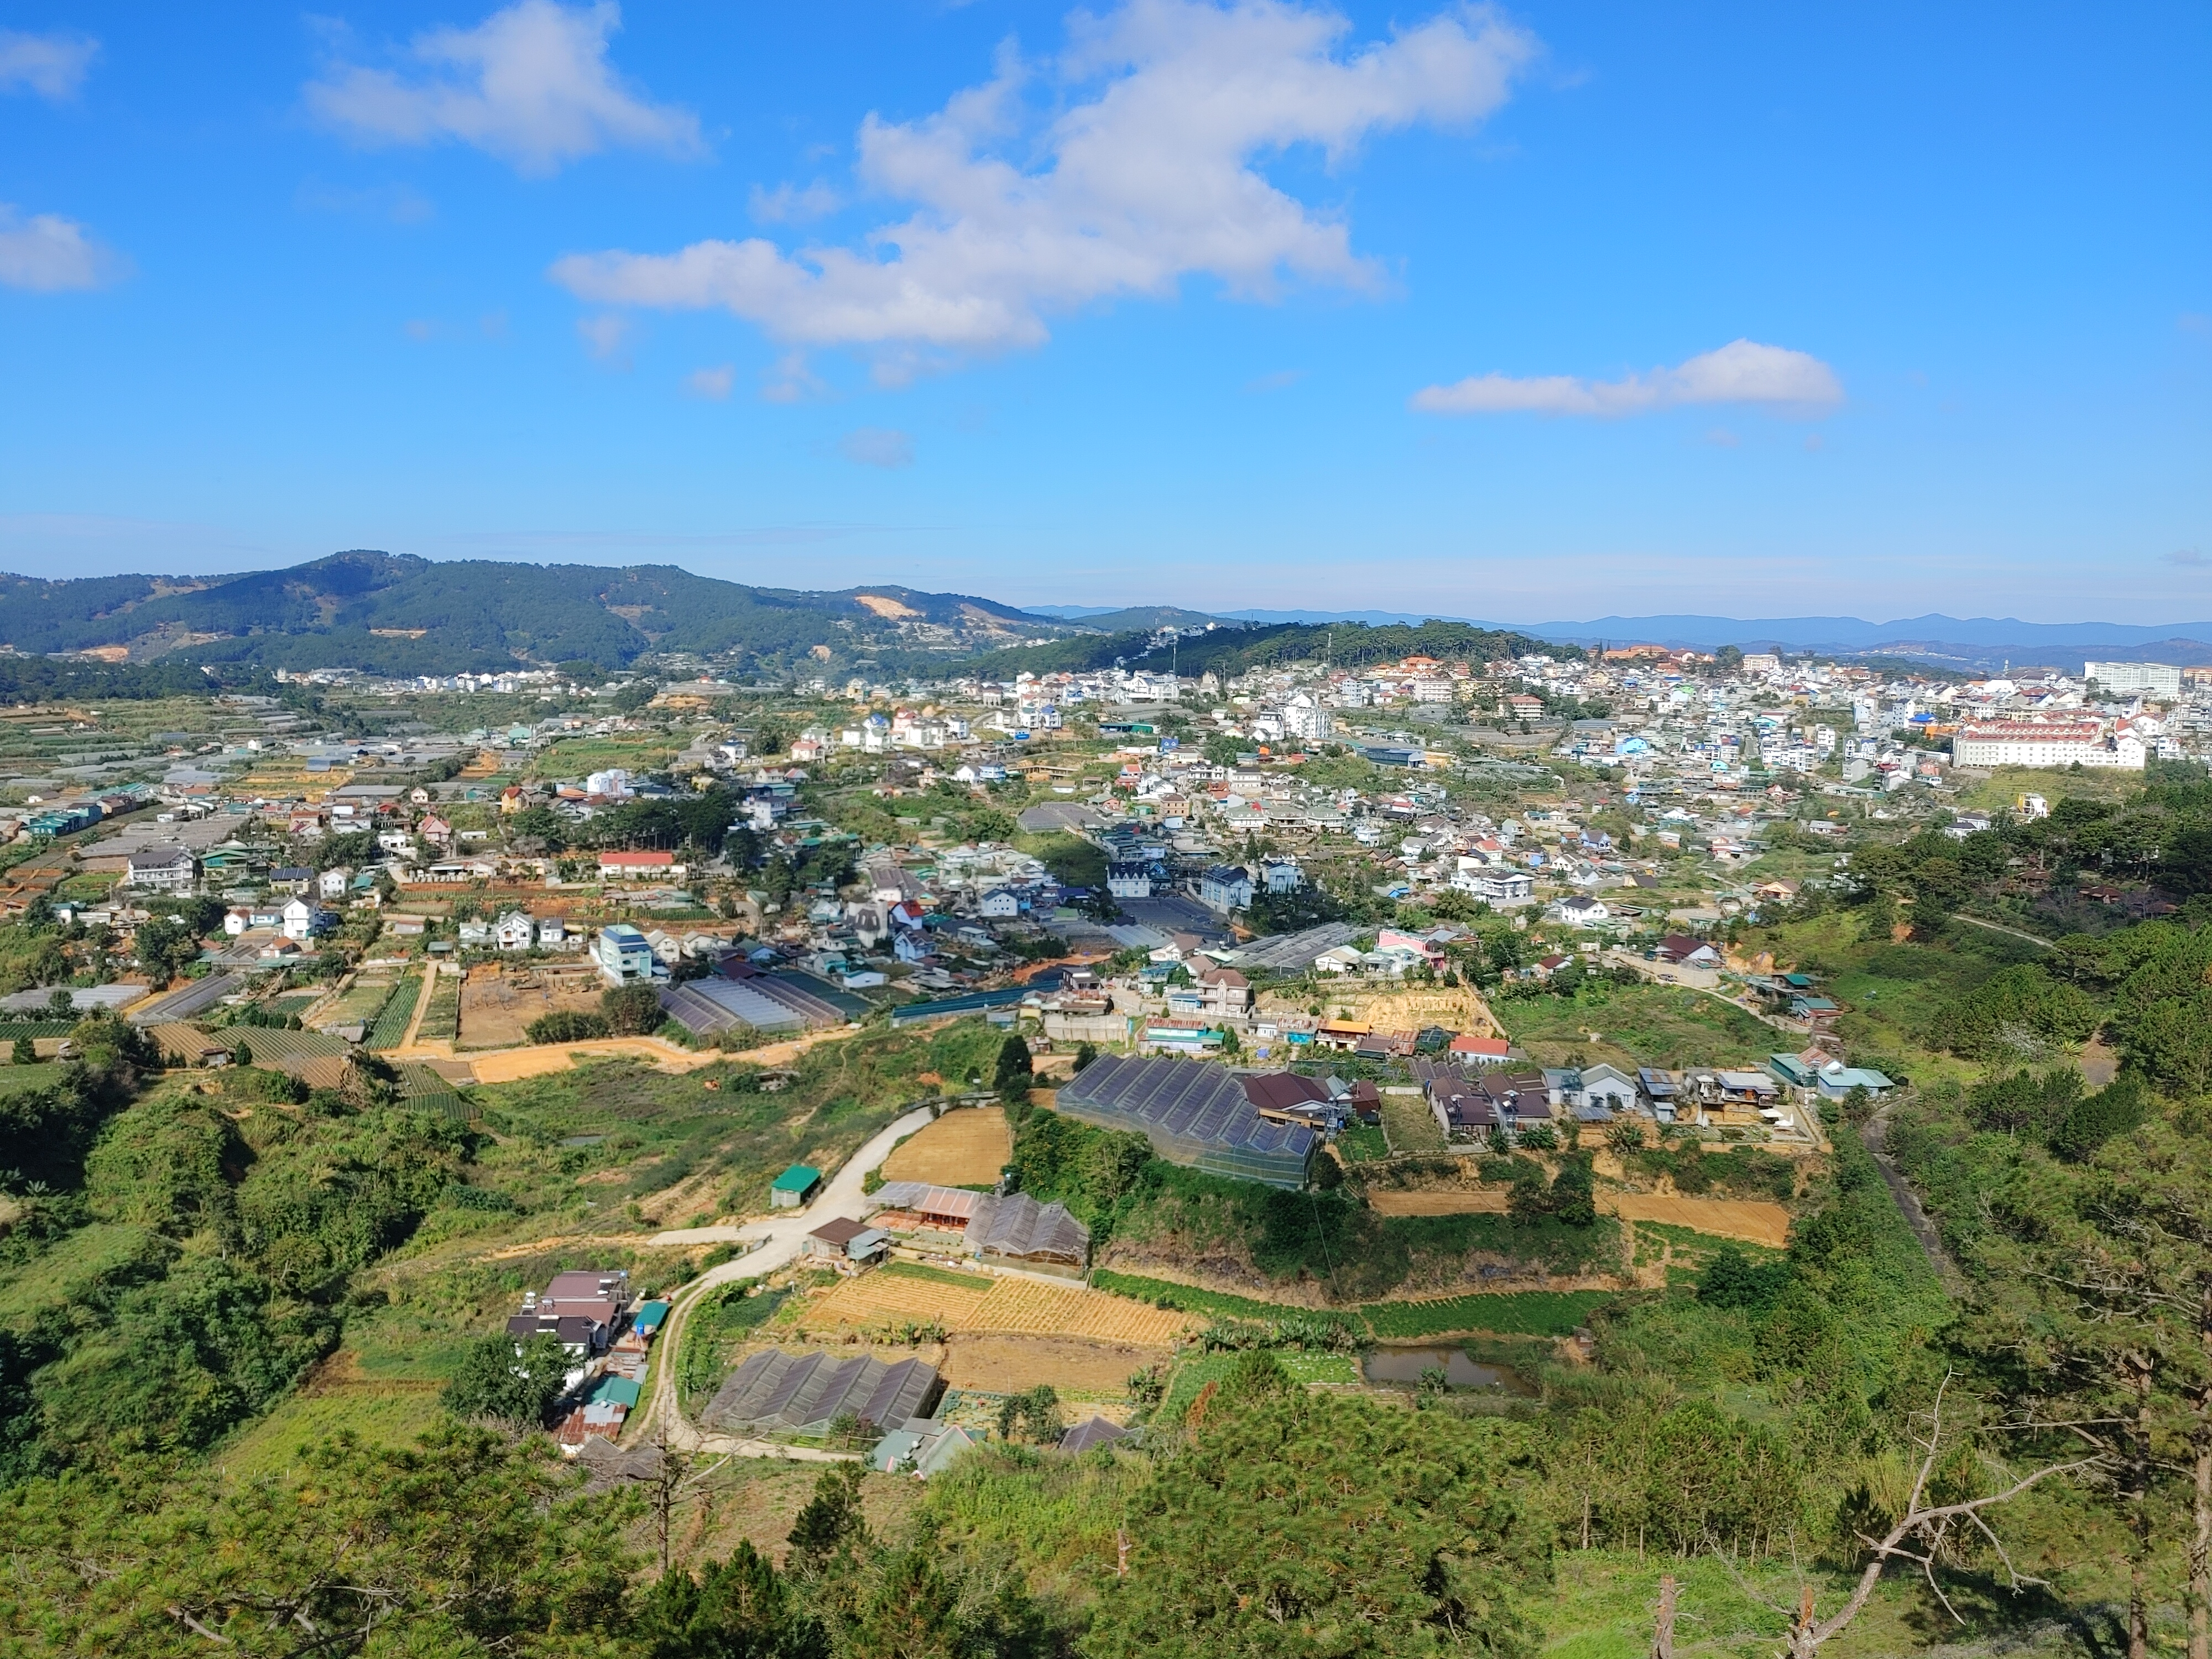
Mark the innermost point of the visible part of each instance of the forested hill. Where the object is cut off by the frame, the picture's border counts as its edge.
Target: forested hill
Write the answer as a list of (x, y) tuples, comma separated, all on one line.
[(393, 613), (1233, 651)]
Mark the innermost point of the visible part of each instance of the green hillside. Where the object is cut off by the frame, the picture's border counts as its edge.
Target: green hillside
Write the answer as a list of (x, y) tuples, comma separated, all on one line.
[(396, 613)]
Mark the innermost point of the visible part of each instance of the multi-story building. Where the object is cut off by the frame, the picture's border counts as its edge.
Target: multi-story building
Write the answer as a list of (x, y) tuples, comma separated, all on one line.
[(2047, 743)]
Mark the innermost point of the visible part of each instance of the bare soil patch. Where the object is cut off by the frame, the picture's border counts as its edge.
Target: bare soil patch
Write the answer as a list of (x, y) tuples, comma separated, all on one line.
[(965, 1148), (1750, 1219), (1008, 1365), (1463, 1201), (496, 1006)]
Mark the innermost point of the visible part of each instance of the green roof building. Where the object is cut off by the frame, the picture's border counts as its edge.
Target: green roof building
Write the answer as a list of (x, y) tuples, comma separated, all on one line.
[(791, 1189)]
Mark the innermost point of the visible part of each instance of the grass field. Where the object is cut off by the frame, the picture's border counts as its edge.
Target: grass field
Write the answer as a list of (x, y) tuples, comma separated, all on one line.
[(1363, 1143), (1640, 1025), (16, 1079), (964, 1148), (1195, 1373), (339, 1396), (1410, 1125)]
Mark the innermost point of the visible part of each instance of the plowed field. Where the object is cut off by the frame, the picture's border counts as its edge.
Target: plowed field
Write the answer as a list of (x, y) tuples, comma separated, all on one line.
[(1726, 1218), (1012, 1306), (1383, 1201), (965, 1148)]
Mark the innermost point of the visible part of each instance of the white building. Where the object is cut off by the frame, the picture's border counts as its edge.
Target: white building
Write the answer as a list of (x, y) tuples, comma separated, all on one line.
[(2047, 743), (2150, 679)]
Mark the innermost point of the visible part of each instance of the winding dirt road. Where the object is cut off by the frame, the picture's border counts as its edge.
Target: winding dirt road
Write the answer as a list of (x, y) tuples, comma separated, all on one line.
[(775, 1244)]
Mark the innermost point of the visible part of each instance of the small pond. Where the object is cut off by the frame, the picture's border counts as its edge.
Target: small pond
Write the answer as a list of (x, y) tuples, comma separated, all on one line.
[(1404, 1366)]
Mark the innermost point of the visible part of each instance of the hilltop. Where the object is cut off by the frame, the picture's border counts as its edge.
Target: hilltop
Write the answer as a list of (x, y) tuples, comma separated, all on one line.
[(399, 614)]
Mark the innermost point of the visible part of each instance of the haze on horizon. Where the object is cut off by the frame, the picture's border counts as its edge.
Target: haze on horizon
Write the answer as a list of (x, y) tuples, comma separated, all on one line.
[(1521, 312)]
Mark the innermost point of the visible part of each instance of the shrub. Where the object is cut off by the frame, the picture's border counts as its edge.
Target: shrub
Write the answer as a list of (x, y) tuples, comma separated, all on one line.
[(631, 1009), (562, 1026)]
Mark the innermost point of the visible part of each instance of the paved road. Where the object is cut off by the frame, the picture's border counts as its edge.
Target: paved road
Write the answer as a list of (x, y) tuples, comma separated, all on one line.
[(776, 1243)]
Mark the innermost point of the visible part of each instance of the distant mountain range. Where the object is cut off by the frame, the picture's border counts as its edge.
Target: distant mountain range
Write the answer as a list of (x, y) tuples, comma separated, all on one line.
[(399, 614), (396, 614), (1977, 643)]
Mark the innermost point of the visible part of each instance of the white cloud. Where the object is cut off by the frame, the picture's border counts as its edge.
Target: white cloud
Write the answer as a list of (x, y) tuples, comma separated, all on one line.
[(48, 254), (789, 204), (875, 445), (711, 383), (603, 336), (1743, 371), (791, 380), (1150, 172), (53, 65), (530, 84)]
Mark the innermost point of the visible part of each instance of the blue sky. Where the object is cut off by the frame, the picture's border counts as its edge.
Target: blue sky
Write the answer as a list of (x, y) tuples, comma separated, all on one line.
[(1528, 314)]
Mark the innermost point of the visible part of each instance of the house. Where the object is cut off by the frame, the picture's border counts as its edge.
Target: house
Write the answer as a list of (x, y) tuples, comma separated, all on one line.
[(1480, 1051), (1225, 887), (1583, 911), (303, 920), (639, 867), (1281, 875), (1129, 880), (1496, 886), (513, 930), (1000, 904), (625, 958), (553, 931), (1093, 1432), (1493, 1099), (334, 881), (474, 933), (1686, 951), (845, 1241), (1601, 1088), (161, 869), (795, 1188)]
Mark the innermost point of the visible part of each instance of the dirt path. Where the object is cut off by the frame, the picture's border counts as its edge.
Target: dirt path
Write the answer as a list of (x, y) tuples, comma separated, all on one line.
[(1875, 1132), (779, 1240), (1995, 927)]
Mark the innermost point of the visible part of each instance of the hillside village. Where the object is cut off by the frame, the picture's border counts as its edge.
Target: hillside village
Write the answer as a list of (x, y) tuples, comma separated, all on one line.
[(887, 1074)]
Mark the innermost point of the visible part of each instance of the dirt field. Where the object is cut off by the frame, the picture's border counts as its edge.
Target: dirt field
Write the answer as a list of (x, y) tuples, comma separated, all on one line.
[(881, 1298), (1456, 1008), (1726, 1218), (512, 1065), (496, 1006), (1383, 1201), (1008, 1365), (964, 1148), (1012, 1306)]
